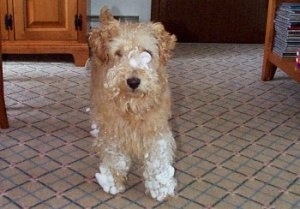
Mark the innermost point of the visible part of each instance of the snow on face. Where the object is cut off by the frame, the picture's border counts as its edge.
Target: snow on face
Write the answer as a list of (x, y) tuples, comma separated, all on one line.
[(139, 60)]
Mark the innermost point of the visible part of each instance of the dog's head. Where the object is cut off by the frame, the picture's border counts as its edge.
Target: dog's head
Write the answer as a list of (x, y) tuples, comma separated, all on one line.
[(133, 56)]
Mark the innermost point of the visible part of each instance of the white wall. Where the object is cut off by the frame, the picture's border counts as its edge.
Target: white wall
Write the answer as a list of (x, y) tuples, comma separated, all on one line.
[(141, 8)]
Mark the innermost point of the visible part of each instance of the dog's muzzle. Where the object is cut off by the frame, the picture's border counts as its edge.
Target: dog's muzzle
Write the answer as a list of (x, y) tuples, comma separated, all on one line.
[(133, 82)]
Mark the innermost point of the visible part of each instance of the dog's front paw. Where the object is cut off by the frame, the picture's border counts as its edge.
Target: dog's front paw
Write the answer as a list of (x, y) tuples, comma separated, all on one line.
[(162, 185), (106, 180)]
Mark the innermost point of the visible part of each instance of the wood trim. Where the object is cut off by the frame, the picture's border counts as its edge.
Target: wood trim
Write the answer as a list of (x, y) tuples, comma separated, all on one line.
[(3, 12), (83, 5), (11, 34), (6, 8), (79, 51)]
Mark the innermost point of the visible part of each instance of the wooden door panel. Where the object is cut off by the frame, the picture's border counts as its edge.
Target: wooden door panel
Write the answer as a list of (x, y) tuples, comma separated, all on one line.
[(45, 19), (236, 21), (52, 17)]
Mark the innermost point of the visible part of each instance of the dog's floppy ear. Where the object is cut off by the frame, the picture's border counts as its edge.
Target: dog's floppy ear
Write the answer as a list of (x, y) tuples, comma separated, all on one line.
[(105, 16), (166, 41), (100, 37)]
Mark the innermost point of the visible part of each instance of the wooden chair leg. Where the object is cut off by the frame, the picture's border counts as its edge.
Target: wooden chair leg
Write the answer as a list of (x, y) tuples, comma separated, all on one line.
[(3, 115), (268, 71)]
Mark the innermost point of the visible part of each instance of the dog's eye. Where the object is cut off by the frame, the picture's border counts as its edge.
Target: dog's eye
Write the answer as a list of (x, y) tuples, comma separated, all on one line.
[(118, 53)]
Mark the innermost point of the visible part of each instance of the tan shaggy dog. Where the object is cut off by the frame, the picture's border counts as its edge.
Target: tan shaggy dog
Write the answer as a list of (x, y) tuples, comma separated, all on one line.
[(130, 104)]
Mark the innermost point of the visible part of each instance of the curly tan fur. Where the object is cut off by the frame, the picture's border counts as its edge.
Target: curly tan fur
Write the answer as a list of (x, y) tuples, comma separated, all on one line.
[(130, 120)]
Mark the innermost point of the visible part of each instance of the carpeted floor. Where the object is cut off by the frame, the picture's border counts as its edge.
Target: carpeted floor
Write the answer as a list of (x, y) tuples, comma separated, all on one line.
[(238, 137)]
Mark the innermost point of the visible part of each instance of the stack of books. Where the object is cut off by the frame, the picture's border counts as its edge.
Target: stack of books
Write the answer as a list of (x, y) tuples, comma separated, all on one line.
[(287, 30)]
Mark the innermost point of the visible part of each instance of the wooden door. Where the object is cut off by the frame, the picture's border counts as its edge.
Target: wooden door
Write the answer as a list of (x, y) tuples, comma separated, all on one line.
[(231, 21), (45, 19)]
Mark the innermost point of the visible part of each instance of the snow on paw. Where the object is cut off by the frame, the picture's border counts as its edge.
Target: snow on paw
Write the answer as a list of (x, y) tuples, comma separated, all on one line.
[(160, 191), (107, 182), (161, 185)]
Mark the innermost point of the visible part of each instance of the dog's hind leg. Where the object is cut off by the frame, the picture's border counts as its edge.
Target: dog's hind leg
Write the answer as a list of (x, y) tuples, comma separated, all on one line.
[(159, 172), (113, 171)]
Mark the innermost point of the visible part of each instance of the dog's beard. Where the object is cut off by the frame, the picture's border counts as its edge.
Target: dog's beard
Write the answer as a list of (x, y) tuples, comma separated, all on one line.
[(140, 105), (135, 101)]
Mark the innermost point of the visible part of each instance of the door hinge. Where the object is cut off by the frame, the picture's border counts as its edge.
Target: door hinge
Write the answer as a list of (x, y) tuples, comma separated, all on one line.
[(78, 22), (8, 22)]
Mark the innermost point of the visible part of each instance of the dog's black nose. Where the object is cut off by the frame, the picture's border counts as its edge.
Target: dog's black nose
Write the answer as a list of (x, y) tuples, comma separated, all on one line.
[(133, 82)]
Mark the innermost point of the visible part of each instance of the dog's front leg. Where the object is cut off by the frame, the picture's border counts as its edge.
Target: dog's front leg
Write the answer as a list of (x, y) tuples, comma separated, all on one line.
[(159, 172), (113, 171)]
